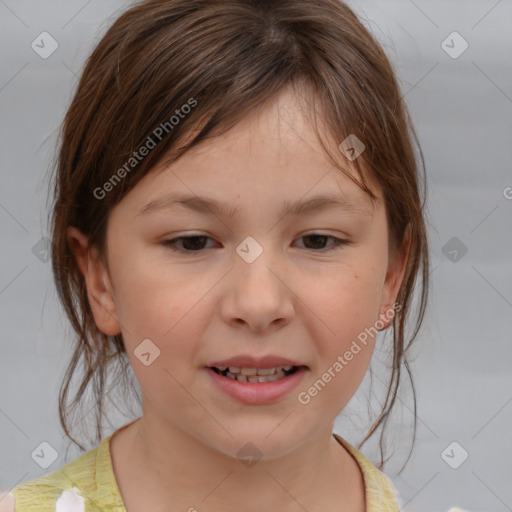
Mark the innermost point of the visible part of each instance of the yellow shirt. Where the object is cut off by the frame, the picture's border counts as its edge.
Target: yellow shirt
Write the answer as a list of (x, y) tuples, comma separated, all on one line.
[(88, 484)]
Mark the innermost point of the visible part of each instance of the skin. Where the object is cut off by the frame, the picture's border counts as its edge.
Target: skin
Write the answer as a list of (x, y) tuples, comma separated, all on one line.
[(302, 299)]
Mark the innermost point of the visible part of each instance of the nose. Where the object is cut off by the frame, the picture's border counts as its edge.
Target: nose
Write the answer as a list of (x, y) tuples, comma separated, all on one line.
[(258, 295)]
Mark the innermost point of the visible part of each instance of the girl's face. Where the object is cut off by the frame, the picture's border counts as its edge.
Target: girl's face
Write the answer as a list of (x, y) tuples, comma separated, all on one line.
[(264, 277)]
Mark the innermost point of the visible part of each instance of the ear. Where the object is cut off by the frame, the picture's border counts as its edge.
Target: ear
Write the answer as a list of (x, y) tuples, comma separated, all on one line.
[(394, 277), (97, 281)]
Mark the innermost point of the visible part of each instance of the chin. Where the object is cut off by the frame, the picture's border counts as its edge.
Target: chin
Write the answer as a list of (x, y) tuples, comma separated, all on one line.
[(252, 445)]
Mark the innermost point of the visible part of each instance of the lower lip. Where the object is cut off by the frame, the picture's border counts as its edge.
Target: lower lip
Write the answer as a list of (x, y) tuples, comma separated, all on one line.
[(257, 393)]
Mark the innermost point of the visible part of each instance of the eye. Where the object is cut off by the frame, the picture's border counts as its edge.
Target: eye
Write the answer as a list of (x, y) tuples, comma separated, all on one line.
[(192, 244), (319, 239)]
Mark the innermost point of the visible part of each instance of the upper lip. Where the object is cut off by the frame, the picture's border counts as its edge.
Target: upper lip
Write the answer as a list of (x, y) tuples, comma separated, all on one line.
[(247, 361)]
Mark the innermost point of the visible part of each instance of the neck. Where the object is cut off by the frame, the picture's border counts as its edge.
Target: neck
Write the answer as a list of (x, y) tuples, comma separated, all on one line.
[(171, 466)]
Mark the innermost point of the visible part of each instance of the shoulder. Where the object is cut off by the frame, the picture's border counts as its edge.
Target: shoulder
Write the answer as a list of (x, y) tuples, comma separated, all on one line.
[(381, 494), (61, 490)]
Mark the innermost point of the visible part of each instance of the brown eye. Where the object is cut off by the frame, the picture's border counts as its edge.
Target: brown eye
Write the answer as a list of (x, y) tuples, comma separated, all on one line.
[(318, 241), (190, 243), (195, 244)]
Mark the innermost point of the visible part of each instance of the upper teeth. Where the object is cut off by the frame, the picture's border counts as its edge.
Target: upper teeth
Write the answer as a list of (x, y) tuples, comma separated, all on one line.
[(255, 371)]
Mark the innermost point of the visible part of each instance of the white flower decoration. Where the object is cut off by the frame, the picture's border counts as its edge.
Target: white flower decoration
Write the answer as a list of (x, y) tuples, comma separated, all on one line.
[(70, 501)]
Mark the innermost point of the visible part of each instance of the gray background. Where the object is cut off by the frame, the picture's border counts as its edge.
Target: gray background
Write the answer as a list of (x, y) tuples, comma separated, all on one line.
[(462, 109)]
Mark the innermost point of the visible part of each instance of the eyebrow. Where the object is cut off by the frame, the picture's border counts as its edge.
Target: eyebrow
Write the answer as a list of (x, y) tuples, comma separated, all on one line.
[(210, 206)]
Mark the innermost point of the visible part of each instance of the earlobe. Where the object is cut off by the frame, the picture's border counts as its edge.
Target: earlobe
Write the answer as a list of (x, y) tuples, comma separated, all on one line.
[(394, 278), (97, 282)]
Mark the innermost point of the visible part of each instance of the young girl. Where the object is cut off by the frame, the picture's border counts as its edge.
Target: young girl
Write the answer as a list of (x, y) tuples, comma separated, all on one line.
[(237, 214)]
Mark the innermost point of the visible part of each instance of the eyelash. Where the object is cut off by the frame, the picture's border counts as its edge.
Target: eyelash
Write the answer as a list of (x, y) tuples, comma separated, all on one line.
[(172, 243)]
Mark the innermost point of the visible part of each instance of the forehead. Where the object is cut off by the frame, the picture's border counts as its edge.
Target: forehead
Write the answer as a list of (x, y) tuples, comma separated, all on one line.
[(274, 153)]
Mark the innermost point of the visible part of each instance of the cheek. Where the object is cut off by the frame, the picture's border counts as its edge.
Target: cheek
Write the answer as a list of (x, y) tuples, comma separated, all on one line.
[(345, 305), (150, 295), (167, 314), (345, 301), (344, 342), (163, 305)]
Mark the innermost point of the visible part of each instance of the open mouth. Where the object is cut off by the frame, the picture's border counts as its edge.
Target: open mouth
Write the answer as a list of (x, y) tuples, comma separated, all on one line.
[(255, 375)]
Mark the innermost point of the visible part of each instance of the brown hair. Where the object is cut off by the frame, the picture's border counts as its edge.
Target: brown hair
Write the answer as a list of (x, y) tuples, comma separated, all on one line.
[(229, 56)]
